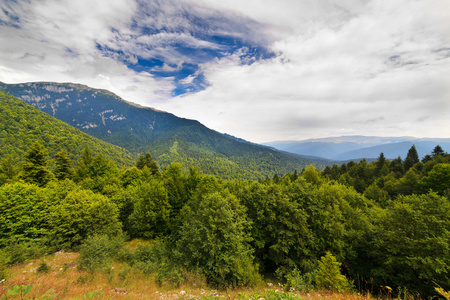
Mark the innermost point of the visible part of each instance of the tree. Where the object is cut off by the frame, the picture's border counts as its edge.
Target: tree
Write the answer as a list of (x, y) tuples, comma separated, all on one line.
[(149, 162), (381, 162), (8, 169), (81, 214), (213, 239), (437, 151), (438, 179), (63, 168), (329, 275), (281, 237), (411, 244), (35, 168), (411, 158), (82, 170), (397, 167), (151, 211)]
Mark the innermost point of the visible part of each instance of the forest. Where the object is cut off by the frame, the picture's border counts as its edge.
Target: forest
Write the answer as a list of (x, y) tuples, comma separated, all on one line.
[(357, 227)]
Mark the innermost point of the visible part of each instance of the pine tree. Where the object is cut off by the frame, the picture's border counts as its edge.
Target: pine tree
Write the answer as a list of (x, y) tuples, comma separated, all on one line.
[(64, 168), (411, 158), (35, 168), (329, 275), (149, 162), (437, 151)]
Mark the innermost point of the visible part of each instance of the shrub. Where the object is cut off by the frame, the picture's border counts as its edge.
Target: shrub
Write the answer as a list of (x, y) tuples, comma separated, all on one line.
[(43, 267), (82, 214), (329, 275), (99, 251)]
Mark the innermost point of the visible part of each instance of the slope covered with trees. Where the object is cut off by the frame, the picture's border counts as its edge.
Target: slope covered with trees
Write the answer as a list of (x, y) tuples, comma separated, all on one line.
[(308, 230), (169, 138), (21, 125)]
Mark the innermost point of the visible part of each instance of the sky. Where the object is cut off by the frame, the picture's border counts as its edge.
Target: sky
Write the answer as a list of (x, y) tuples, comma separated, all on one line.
[(261, 70)]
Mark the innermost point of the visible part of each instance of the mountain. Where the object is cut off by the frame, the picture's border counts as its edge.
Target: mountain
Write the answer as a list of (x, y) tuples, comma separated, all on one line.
[(22, 124), (167, 137), (358, 147)]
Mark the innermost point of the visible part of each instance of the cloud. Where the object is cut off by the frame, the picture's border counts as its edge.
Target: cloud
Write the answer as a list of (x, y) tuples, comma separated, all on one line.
[(258, 69), (330, 78)]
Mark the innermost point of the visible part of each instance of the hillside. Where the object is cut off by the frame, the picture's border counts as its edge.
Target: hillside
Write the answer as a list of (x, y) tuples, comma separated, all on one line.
[(358, 147), (168, 138), (21, 125)]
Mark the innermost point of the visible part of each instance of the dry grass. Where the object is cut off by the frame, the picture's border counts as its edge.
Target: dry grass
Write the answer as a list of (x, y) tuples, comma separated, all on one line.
[(121, 282)]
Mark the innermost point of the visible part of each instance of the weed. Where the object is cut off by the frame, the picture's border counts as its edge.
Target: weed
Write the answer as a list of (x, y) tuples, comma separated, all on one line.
[(43, 267), (82, 279), (124, 274), (91, 296)]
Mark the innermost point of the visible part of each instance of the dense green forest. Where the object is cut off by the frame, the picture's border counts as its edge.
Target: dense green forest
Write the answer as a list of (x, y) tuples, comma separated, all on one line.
[(21, 125), (359, 226)]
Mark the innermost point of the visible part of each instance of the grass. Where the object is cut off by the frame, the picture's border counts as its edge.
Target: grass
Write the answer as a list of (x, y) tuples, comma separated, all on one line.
[(120, 281)]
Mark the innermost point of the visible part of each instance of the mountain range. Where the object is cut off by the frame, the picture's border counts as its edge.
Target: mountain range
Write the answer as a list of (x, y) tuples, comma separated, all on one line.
[(167, 137), (22, 124), (345, 148)]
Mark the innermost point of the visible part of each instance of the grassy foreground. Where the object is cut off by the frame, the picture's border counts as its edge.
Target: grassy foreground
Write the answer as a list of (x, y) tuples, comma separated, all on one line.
[(56, 276)]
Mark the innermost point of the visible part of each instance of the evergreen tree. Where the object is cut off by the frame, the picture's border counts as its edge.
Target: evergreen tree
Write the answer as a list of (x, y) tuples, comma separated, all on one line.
[(82, 170), (381, 161), (64, 168), (437, 151), (329, 275), (396, 166), (7, 169), (35, 168), (411, 158), (149, 162)]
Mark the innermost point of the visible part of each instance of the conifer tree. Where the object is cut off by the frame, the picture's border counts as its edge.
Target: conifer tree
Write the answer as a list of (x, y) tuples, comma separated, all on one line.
[(35, 168), (64, 168), (149, 162), (411, 158), (437, 151)]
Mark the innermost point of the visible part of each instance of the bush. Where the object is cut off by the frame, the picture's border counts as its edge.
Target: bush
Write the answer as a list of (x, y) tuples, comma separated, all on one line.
[(43, 267), (82, 214), (300, 282), (99, 251)]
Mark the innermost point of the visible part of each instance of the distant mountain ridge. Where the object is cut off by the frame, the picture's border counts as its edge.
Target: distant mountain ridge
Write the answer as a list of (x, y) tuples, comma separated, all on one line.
[(169, 138), (358, 147), (22, 124)]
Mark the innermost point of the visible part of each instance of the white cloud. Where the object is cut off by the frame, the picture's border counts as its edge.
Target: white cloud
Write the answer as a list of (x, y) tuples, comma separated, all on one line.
[(335, 77), (343, 67)]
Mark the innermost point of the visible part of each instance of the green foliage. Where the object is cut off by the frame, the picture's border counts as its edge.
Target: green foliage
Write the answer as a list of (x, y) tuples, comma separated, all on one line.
[(23, 125), (329, 275), (411, 158), (411, 243), (43, 268), (151, 209), (35, 170), (20, 290), (64, 169), (212, 238), (24, 212), (443, 293), (81, 214), (295, 280), (149, 162), (98, 251), (438, 179), (281, 237), (8, 170)]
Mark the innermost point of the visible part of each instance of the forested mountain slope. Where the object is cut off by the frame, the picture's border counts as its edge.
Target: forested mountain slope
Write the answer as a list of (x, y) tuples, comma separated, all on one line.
[(21, 125), (168, 138)]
